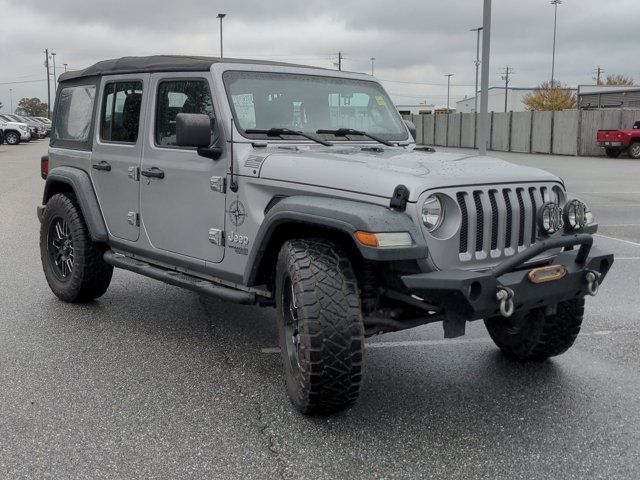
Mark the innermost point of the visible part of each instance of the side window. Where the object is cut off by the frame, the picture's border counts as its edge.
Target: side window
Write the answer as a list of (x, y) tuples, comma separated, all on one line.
[(74, 112), (121, 112), (181, 96)]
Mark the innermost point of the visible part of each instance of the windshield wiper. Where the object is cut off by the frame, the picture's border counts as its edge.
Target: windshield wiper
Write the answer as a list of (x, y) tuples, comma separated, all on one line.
[(278, 132), (343, 132)]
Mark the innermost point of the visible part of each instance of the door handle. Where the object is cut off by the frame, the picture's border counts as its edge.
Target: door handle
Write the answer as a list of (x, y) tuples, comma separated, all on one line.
[(153, 172), (104, 166)]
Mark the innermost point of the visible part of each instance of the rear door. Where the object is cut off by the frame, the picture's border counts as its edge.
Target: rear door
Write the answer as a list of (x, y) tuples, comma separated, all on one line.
[(117, 152), (183, 211)]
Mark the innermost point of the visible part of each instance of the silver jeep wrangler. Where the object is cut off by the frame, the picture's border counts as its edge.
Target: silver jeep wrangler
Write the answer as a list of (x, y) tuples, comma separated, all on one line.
[(302, 189)]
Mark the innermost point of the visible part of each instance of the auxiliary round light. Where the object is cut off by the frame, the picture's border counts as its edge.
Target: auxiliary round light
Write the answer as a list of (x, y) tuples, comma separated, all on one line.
[(575, 215), (432, 212), (550, 218)]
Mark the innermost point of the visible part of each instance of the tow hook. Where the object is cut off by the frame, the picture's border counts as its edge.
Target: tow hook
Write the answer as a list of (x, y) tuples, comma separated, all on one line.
[(593, 282), (505, 297)]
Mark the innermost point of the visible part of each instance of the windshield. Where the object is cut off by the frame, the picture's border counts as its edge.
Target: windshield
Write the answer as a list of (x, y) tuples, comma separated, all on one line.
[(308, 103)]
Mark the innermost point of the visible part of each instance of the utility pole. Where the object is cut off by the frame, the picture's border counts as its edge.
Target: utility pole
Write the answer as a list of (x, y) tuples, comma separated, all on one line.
[(339, 60), (555, 3), (483, 126), (11, 99), (46, 64), (506, 76), (373, 59), (448, 75), (65, 66), (598, 72), (221, 16), (477, 64)]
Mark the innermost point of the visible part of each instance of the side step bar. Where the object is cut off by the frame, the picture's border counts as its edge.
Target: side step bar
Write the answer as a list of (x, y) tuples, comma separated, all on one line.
[(180, 279)]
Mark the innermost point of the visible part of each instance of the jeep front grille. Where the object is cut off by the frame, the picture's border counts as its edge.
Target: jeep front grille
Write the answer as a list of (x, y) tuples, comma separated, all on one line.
[(497, 222)]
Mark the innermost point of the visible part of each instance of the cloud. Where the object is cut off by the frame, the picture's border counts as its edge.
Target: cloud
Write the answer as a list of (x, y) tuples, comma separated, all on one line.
[(413, 40)]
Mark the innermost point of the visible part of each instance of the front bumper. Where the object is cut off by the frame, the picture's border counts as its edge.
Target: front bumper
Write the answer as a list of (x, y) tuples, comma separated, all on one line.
[(610, 144), (25, 136), (469, 295)]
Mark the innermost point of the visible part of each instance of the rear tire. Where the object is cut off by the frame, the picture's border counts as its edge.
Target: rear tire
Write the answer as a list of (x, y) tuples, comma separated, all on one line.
[(12, 138), (320, 326), (72, 262), (612, 152), (534, 336), (634, 150)]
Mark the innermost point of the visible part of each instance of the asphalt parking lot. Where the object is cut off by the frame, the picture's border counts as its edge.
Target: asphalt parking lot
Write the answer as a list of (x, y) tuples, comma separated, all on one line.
[(151, 381)]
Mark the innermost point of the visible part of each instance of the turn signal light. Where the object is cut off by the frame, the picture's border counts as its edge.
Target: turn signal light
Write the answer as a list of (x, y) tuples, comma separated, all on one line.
[(381, 240), (547, 274)]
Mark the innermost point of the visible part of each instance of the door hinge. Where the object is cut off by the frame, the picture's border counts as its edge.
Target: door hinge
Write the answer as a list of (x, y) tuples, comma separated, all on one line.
[(133, 219), (216, 236), (133, 173), (218, 184)]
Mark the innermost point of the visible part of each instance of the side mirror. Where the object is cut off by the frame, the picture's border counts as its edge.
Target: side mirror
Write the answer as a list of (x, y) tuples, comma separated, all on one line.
[(412, 128), (194, 130)]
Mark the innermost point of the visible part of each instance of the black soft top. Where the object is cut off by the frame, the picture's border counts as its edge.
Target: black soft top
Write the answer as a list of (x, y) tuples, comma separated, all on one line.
[(160, 63)]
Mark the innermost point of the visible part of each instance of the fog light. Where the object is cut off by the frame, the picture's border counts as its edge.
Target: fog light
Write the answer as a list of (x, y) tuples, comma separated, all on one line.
[(550, 218), (382, 240), (575, 215)]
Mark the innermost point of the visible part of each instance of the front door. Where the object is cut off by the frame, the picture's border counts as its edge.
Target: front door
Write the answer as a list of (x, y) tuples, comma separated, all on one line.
[(182, 210), (117, 152)]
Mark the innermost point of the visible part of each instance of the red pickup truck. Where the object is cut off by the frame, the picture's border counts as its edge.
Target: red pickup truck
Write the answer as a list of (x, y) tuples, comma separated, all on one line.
[(617, 141)]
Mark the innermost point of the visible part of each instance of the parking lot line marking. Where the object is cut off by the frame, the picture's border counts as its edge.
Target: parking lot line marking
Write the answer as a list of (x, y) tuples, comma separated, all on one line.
[(618, 239), (626, 258), (423, 343)]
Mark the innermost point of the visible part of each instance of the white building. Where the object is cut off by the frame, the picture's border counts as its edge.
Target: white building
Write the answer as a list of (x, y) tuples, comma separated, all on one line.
[(515, 97), (415, 109)]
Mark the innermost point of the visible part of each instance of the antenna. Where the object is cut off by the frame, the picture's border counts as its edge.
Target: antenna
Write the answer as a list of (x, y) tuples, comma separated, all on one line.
[(233, 184)]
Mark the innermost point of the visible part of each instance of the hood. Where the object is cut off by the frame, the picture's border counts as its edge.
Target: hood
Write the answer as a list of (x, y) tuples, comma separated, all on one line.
[(378, 173)]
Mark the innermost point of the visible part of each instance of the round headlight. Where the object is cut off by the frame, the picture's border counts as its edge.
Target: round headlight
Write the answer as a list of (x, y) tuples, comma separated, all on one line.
[(575, 215), (432, 213)]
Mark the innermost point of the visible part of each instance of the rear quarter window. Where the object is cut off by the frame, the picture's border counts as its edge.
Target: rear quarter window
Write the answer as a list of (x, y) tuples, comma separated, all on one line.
[(74, 113)]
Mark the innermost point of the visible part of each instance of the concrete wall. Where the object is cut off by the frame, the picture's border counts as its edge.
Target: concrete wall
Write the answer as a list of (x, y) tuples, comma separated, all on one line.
[(468, 128), (429, 124), (441, 130), (453, 130), (541, 132), (500, 131), (521, 132), (569, 132), (565, 132)]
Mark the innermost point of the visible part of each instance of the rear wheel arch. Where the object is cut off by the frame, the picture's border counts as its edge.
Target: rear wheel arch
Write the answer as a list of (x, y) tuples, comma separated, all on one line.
[(76, 182)]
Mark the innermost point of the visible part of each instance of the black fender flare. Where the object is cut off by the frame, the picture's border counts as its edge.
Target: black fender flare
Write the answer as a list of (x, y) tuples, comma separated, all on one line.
[(345, 216), (82, 187)]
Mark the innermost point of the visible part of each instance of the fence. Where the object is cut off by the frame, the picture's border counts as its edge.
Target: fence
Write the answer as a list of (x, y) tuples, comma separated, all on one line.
[(567, 132)]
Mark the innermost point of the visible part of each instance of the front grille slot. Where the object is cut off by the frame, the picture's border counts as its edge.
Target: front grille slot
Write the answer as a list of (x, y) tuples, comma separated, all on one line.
[(510, 213), (479, 220), (464, 227)]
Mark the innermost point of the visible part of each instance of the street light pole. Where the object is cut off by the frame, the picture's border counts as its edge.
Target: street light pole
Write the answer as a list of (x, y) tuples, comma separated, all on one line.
[(477, 30), (65, 66), (221, 16), (483, 126), (53, 55), (448, 75), (11, 99), (373, 59), (46, 64), (555, 3)]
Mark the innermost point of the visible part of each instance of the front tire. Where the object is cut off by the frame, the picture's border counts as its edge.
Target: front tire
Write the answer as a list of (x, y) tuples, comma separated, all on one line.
[(534, 336), (612, 152), (72, 262), (320, 326), (12, 138), (634, 150)]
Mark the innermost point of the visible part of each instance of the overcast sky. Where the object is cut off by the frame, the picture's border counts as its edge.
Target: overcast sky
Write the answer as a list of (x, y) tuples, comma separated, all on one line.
[(412, 40)]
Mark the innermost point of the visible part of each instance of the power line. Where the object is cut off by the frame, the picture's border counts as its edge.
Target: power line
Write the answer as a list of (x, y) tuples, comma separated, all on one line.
[(427, 83), (23, 81)]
